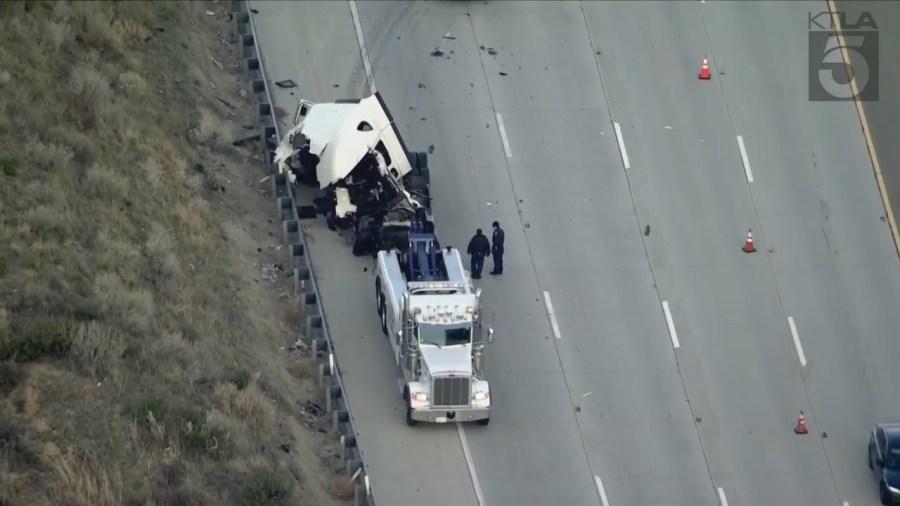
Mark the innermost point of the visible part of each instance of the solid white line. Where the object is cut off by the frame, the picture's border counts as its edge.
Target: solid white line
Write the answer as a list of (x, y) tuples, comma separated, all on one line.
[(553, 322), (601, 490), (621, 141), (796, 337), (671, 324), (479, 496), (362, 46), (503, 135), (745, 159), (722, 500)]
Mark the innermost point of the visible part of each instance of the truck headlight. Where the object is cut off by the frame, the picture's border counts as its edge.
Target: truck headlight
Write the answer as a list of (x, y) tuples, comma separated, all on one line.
[(480, 396), (420, 396)]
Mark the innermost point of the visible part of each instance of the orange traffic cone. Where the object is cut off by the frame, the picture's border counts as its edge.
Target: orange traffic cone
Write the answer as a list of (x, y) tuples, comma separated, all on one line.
[(704, 69), (748, 244), (801, 424)]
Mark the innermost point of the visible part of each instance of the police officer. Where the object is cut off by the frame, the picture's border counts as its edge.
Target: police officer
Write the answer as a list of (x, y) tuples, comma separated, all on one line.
[(479, 247), (497, 248)]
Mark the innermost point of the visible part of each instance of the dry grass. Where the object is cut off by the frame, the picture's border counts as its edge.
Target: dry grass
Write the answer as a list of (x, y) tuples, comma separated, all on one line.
[(142, 362)]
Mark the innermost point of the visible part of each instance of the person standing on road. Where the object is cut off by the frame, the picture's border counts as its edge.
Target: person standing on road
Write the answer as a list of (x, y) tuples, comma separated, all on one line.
[(497, 248), (479, 247)]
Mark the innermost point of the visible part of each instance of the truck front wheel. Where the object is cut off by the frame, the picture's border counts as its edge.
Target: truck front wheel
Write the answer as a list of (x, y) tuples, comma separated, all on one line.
[(484, 421), (409, 419)]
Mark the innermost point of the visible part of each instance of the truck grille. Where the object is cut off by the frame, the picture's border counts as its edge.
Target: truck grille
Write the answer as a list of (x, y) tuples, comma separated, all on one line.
[(451, 391)]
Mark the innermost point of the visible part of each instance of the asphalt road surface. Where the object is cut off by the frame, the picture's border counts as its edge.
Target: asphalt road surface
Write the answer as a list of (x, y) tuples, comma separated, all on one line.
[(680, 363)]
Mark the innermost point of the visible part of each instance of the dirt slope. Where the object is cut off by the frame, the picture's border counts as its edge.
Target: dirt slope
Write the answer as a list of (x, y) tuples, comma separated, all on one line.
[(145, 323)]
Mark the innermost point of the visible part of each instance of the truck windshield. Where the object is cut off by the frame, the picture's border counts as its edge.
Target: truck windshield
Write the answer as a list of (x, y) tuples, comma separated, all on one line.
[(443, 335)]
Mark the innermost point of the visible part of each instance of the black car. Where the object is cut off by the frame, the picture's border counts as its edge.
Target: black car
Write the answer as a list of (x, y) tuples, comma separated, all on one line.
[(884, 458)]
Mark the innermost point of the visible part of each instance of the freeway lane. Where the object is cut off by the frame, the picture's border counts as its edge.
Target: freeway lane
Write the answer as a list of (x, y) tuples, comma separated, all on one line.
[(689, 185), (571, 230), (314, 44), (811, 200), (834, 260)]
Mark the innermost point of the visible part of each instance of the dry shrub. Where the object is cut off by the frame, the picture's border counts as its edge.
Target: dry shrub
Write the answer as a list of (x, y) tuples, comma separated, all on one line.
[(302, 368), (134, 310), (93, 25), (95, 347), (84, 478), (111, 254), (342, 488), (249, 405), (195, 218), (152, 171), (48, 155), (236, 432), (54, 35), (172, 164), (162, 264), (105, 184), (132, 82), (206, 131)]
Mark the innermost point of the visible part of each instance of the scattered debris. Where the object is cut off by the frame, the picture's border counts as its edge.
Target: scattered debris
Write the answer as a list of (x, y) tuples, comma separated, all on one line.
[(254, 11), (271, 272), (313, 409), (285, 447), (449, 37), (698, 419), (421, 86), (668, 127), (298, 345), (578, 409), (263, 180), (587, 394), (244, 140), (430, 149), (228, 104), (491, 52), (335, 85), (437, 53), (210, 13), (221, 67), (503, 73), (287, 83), (647, 230)]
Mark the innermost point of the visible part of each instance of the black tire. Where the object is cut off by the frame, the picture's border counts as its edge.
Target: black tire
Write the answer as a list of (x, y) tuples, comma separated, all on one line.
[(484, 422), (378, 295), (409, 419), (869, 457), (421, 160), (884, 495)]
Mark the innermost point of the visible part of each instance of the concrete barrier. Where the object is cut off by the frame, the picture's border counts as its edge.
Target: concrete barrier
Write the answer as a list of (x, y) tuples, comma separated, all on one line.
[(315, 331)]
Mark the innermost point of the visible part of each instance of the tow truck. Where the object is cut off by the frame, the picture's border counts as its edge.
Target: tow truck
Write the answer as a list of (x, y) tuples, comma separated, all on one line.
[(431, 312)]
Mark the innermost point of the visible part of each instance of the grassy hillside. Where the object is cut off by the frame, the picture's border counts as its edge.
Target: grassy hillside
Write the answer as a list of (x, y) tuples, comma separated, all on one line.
[(143, 336)]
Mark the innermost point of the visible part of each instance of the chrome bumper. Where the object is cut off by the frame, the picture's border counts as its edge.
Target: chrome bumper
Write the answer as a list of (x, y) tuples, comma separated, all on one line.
[(438, 415)]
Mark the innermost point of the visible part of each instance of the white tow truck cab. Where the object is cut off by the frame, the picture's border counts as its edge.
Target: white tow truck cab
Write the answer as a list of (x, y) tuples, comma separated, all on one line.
[(353, 152), (431, 313)]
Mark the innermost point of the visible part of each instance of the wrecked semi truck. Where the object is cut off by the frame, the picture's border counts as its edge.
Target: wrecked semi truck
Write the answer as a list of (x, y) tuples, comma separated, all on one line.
[(370, 184)]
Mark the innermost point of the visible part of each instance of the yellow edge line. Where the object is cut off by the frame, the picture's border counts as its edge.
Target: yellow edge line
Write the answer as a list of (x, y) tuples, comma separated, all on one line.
[(870, 145)]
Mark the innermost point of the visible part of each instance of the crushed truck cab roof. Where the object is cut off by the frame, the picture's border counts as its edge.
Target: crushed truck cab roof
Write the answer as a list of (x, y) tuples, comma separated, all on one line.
[(340, 134)]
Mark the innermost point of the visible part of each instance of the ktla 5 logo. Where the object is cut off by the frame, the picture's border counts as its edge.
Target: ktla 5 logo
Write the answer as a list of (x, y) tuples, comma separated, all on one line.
[(839, 51)]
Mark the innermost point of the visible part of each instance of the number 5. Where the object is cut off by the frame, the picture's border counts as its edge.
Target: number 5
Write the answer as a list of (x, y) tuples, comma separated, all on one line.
[(859, 71)]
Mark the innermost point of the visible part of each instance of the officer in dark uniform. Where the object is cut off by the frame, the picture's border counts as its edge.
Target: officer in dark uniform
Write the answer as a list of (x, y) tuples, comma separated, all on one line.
[(497, 248), (479, 247)]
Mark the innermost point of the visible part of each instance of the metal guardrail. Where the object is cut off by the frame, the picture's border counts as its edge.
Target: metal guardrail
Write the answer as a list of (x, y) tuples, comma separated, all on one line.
[(316, 332)]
